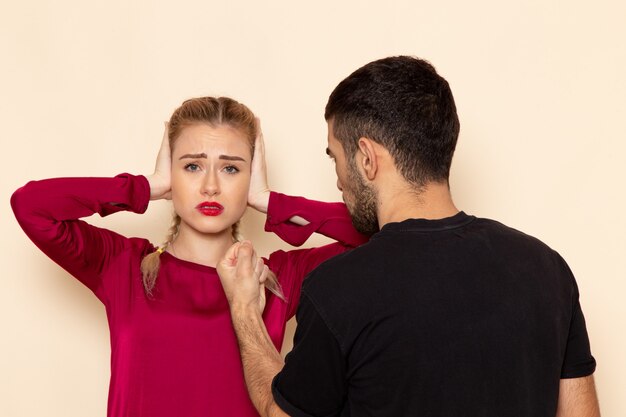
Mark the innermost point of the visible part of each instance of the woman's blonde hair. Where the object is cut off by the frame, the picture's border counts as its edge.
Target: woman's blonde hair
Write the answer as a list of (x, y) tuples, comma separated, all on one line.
[(214, 111)]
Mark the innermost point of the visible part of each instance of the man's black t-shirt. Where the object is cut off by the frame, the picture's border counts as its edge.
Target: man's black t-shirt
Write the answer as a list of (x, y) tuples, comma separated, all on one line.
[(453, 317)]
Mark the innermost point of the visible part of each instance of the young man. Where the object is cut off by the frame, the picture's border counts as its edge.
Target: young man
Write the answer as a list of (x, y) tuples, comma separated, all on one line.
[(441, 313)]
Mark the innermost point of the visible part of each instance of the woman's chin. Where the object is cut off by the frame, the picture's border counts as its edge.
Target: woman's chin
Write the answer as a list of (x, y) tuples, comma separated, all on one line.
[(211, 226)]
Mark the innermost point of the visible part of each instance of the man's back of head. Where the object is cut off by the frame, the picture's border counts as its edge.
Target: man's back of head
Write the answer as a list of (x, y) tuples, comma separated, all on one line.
[(403, 104)]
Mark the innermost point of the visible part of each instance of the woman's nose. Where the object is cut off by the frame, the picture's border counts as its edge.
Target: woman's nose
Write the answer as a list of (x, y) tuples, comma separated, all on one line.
[(211, 184)]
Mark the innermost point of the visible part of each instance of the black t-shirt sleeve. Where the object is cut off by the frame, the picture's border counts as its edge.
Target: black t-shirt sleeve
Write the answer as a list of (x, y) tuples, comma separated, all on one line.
[(578, 360), (313, 380)]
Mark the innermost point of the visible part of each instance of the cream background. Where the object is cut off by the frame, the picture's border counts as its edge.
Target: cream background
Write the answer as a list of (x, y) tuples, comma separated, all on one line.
[(86, 85)]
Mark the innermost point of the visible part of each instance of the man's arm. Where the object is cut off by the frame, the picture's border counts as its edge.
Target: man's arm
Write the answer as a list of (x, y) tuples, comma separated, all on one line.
[(578, 398), (242, 276), (261, 361)]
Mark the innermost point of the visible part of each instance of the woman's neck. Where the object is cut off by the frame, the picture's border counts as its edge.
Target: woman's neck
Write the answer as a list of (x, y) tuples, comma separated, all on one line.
[(201, 248)]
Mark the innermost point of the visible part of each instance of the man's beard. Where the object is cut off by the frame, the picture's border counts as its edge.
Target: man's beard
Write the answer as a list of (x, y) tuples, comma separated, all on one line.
[(362, 208)]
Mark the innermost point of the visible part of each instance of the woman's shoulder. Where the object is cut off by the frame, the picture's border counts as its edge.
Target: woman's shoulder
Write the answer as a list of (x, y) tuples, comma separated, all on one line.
[(135, 248)]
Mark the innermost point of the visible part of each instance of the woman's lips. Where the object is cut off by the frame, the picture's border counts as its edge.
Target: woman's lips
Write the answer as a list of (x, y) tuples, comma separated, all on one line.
[(210, 208)]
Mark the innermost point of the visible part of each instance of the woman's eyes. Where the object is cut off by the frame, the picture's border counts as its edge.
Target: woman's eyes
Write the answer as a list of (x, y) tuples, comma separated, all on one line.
[(192, 167), (229, 169)]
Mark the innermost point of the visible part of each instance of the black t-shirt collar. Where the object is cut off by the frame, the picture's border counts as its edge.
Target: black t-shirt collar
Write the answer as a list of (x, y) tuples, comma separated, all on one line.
[(424, 225)]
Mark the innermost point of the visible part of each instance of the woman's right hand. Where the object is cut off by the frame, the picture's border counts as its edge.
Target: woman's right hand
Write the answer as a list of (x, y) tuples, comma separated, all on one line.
[(259, 193), (160, 180)]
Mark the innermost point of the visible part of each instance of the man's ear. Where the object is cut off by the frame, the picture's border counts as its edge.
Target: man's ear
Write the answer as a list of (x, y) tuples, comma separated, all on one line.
[(367, 158)]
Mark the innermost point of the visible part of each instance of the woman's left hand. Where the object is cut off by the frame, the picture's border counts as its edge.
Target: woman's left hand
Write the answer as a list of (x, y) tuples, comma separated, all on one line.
[(259, 193)]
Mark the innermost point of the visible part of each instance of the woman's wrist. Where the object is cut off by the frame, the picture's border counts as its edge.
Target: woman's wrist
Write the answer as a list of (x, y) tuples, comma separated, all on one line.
[(159, 188), (260, 201)]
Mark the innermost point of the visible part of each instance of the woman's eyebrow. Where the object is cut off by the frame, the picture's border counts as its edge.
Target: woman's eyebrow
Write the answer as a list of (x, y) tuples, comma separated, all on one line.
[(231, 158), (193, 156), (203, 155)]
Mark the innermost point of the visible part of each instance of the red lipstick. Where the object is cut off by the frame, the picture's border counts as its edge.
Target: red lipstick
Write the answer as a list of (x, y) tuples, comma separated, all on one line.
[(210, 208)]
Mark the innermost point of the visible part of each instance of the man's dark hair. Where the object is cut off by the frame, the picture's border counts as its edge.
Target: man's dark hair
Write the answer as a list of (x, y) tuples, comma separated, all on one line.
[(403, 104)]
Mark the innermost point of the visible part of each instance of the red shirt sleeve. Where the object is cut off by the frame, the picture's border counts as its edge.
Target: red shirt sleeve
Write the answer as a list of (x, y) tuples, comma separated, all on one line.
[(330, 219), (48, 212)]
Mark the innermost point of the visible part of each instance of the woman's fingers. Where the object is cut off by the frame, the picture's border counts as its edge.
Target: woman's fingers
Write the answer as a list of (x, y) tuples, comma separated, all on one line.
[(160, 180), (259, 142), (259, 192), (164, 156)]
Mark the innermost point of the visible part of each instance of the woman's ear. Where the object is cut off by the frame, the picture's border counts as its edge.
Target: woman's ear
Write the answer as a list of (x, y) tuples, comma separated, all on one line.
[(367, 158)]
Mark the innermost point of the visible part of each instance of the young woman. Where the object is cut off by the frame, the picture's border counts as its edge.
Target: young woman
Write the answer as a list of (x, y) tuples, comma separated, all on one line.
[(174, 352)]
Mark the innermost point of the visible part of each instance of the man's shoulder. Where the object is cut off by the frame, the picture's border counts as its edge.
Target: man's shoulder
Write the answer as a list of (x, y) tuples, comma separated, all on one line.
[(512, 236), (517, 248)]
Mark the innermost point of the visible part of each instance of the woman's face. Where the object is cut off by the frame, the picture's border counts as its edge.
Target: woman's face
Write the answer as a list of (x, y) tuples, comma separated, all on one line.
[(210, 177)]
